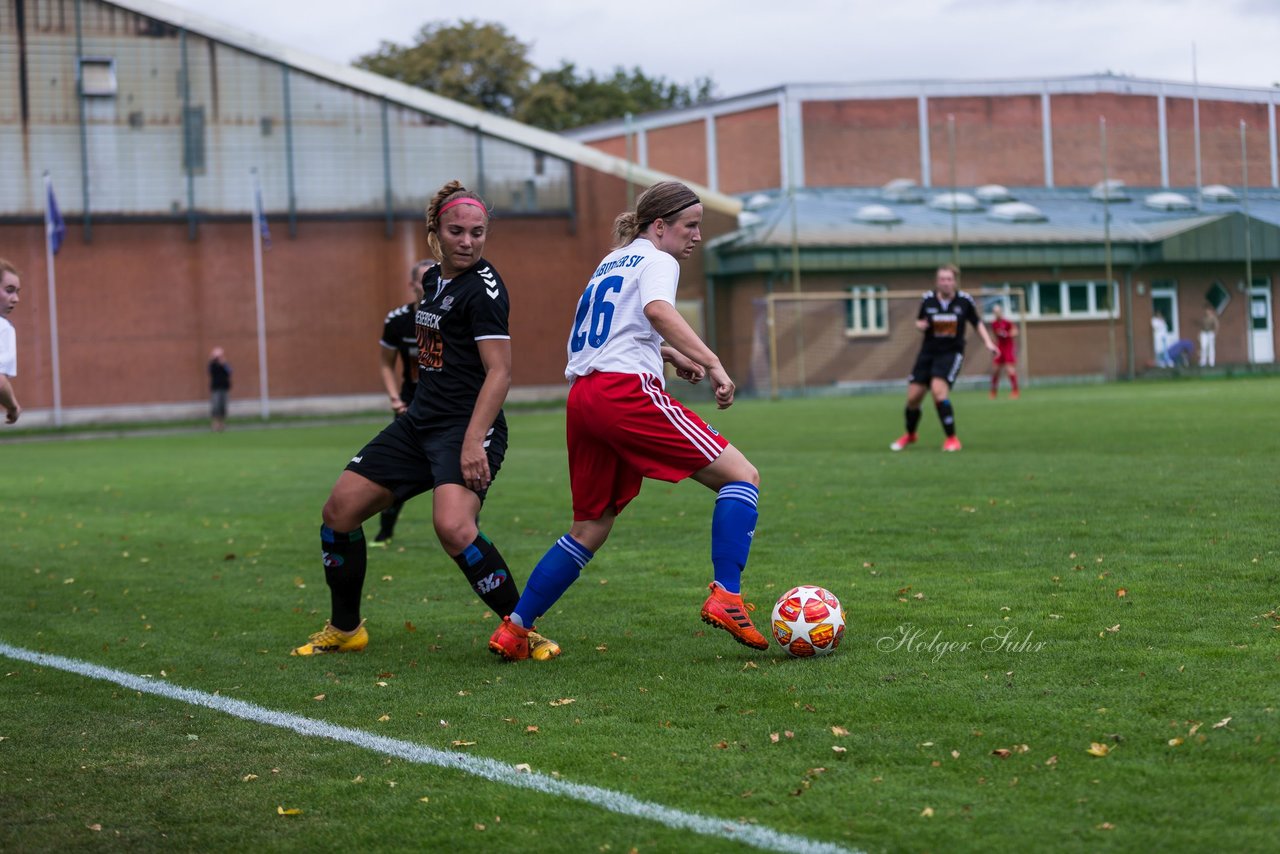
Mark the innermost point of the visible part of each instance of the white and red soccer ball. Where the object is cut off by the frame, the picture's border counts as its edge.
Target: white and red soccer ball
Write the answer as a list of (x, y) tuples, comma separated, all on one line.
[(808, 621)]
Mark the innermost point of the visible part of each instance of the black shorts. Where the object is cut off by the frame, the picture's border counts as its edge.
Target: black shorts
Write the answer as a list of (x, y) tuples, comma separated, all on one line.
[(943, 365), (409, 461)]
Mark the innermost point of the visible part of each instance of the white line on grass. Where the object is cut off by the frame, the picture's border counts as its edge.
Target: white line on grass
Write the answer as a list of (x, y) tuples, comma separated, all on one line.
[(489, 769)]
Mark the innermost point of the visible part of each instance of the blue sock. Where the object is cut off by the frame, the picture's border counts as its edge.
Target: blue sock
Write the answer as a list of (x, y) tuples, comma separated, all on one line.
[(733, 524), (558, 569)]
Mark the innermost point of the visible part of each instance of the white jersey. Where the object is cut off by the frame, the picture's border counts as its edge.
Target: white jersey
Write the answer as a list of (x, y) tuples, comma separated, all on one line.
[(610, 332), (8, 349)]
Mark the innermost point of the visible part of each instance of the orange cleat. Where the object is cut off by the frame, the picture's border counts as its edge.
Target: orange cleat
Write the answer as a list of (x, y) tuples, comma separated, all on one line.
[(902, 441), (725, 610)]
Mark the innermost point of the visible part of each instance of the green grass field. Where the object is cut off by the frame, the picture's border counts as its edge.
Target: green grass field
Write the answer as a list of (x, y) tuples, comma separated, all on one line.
[(1098, 566)]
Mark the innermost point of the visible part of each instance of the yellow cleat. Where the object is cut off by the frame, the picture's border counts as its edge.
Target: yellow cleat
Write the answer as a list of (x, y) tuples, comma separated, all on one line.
[(331, 639), (542, 649)]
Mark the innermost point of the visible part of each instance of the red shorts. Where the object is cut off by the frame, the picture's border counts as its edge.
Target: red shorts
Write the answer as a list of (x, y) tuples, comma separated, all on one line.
[(622, 428), (1006, 356)]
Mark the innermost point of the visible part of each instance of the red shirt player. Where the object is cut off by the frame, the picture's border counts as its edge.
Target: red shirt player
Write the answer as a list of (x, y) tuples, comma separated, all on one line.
[(1006, 334)]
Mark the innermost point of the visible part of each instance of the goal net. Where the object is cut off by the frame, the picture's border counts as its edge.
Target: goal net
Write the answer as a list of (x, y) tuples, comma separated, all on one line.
[(863, 338)]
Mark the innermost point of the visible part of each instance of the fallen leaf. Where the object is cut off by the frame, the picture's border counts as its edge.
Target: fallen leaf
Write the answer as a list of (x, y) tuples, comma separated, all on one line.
[(94, 827), (524, 768), (1174, 742), (955, 754), (927, 812), (563, 702), (1052, 760), (1002, 753), (409, 627), (1098, 749), (425, 800), (1121, 593), (1106, 825), (722, 745), (838, 749), (479, 827), (1022, 748), (249, 778), (839, 730), (773, 738), (283, 811), (462, 743), (1220, 724), (380, 684), (464, 693), (384, 718), (359, 778), (531, 728)]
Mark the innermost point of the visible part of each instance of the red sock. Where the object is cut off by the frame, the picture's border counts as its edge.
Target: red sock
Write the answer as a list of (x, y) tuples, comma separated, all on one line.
[(1013, 381)]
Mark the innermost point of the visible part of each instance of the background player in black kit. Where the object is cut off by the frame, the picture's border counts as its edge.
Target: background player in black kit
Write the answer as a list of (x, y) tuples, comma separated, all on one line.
[(399, 341), (942, 316), (451, 439)]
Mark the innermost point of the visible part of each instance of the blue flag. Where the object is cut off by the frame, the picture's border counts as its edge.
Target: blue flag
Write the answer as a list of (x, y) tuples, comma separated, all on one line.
[(262, 218), (55, 227)]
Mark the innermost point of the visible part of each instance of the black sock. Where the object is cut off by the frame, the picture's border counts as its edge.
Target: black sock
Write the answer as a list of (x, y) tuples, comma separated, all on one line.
[(947, 416), (488, 576), (387, 521), (913, 419), (345, 559)]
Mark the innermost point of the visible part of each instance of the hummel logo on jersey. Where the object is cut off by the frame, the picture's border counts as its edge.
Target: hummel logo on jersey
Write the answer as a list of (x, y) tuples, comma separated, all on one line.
[(357, 459), (332, 561), (491, 284)]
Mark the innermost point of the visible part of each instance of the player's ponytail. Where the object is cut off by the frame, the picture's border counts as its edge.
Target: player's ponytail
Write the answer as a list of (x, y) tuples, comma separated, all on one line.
[(661, 201)]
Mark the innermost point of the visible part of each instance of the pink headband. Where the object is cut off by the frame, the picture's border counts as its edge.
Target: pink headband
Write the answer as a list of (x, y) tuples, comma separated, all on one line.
[(465, 200)]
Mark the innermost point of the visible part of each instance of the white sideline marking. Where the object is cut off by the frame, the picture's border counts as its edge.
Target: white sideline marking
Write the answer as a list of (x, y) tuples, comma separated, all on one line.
[(489, 769)]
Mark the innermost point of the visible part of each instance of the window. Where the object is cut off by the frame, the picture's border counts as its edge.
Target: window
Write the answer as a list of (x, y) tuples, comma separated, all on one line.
[(1217, 296), (1073, 300), (866, 313), (98, 76)]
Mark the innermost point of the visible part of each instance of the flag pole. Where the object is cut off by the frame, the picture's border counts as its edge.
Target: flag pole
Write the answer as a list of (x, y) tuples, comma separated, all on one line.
[(53, 301), (258, 295)]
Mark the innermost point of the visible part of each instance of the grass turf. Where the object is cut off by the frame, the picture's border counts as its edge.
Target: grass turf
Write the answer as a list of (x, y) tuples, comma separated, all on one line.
[(989, 642)]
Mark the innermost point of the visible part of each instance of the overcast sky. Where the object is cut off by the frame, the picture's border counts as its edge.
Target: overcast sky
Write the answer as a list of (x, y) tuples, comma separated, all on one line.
[(746, 45)]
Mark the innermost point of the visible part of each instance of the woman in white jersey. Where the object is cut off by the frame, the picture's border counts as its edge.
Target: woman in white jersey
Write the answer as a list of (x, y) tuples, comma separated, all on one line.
[(622, 426)]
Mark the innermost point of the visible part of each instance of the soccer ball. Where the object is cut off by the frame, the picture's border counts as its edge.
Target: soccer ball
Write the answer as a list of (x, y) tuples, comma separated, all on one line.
[(808, 621)]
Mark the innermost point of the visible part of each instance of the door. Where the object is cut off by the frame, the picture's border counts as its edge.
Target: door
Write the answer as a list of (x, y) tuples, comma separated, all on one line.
[(1164, 302), (1262, 348)]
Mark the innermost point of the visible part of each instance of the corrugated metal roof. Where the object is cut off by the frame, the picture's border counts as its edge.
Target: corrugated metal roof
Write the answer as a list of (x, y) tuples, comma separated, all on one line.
[(415, 98), (828, 219)]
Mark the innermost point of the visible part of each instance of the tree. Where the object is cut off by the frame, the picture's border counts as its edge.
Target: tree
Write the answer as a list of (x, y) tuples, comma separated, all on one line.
[(476, 63), (562, 98), (483, 65)]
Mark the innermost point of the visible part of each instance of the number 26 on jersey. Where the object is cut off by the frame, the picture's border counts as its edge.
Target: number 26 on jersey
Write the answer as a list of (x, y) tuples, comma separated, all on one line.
[(594, 317)]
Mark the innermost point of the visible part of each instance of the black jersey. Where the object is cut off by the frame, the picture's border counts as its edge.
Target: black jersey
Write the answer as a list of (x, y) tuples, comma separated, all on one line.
[(945, 332), (399, 334), (450, 320)]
